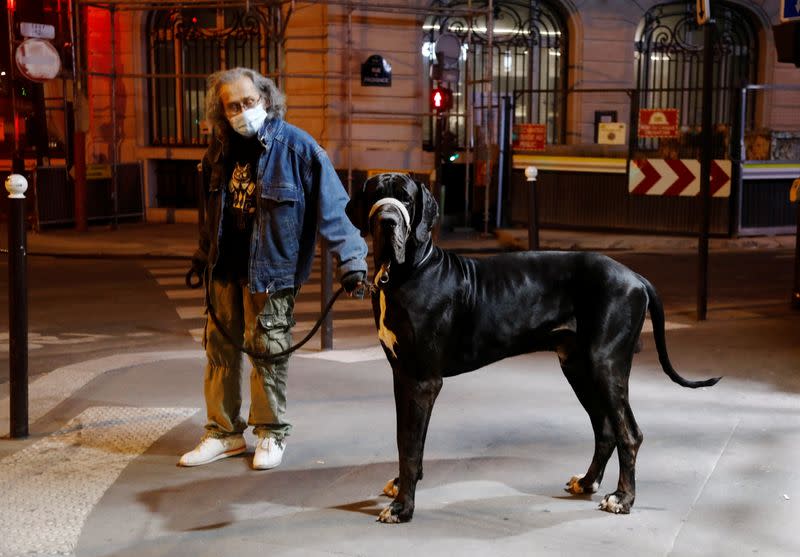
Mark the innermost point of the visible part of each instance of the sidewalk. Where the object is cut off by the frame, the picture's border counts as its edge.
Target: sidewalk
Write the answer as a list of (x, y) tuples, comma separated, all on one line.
[(180, 241)]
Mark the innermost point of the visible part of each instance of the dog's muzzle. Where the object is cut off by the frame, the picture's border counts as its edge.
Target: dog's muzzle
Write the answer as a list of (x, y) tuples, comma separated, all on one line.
[(392, 226)]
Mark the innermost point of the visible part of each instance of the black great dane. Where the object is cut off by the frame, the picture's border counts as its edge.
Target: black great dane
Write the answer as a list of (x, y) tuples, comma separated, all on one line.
[(439, 315)]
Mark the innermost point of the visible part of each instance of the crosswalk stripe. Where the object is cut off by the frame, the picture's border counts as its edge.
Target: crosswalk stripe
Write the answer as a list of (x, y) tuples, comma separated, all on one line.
[(305, 326), (50, 487), (341, 304), (168, 271), (171, 281), (185, 294), (668, 325), (190, 312), (347, 356)]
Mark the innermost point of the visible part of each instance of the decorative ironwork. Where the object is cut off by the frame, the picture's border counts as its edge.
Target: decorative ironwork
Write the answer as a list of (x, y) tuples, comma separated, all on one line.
[(669, 62), (188, 45), (529, 53), (245, 25)]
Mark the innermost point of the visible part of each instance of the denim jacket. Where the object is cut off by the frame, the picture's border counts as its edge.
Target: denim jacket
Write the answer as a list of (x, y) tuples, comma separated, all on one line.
[(298, 194)]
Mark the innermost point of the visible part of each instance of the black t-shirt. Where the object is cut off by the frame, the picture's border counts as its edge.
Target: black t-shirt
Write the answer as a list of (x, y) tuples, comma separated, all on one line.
[(240, 208)]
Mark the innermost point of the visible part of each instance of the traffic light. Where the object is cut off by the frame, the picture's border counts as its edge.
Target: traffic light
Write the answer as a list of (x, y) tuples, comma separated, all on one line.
[(441, 99)]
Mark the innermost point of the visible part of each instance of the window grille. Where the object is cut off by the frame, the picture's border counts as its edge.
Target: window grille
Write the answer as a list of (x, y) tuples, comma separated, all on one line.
[(669, 71), (529, 50), (185, 46)]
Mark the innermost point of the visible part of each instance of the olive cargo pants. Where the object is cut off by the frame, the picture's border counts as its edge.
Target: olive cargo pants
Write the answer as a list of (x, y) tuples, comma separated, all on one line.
[(261, 323)]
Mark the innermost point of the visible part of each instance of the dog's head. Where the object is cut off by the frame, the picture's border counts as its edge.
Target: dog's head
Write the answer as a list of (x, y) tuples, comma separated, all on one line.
[(398, 212)]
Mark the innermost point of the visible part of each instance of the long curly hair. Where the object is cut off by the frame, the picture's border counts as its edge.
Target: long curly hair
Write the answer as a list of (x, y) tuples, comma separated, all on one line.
[(215, 113)]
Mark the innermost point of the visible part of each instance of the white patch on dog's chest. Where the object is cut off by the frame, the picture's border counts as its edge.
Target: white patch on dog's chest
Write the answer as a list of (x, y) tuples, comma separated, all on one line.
[(387, 337)]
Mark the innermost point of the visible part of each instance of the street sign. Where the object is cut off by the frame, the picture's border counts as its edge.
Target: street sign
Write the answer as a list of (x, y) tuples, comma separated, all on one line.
[(38, 60), (677, 177), (703, 11), (529, 137), (611, 133), (790, 10), (37, 30), (658, 122)]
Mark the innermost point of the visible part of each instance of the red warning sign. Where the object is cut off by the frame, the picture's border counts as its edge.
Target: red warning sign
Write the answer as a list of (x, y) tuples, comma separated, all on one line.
[(658, 122), (529, 137)]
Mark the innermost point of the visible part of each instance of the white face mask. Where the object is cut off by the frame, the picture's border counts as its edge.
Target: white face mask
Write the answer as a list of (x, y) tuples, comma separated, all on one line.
[(248, 122)]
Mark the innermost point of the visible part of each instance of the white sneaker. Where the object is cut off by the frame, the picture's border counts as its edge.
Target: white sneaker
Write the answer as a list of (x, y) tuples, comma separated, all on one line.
[(269, 453), (214, 448)]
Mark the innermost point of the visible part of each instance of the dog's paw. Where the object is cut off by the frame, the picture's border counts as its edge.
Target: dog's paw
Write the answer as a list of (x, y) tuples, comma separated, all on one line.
[(390, 489), (387, 517), (613, 503), (575, 487)]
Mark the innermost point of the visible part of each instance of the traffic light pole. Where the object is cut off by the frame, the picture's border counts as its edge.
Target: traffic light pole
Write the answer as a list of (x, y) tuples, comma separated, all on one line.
[(438, 189), (705, 173)]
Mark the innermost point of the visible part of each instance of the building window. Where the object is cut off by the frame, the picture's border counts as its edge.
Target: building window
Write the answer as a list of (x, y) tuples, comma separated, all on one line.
[(529, 56), (669, 71), (185, 46)]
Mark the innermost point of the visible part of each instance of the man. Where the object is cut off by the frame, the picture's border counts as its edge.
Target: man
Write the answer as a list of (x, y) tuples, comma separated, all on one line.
[(270, 188)]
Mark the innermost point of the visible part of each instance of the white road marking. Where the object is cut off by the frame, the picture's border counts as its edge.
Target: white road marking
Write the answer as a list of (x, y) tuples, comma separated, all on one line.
[(169, 271), (171, 281), (50, 487), (668, 325), (49, 390), (341, 304), (197, 334), (186, 293), (337, 324), (191, 312), (347, 356)]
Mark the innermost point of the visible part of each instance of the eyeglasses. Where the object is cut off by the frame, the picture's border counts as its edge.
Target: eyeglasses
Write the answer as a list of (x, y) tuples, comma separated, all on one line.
[(233, 109)]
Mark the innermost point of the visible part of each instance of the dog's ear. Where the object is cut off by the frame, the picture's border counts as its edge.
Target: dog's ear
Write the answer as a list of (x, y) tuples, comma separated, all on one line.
[(426, 212), (357, 208)]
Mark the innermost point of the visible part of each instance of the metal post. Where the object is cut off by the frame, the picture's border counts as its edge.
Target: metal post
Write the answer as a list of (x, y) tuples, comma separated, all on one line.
[(531, 172), (16, 185), (796, 288), (114, 154), (705, 173), (326, 278)]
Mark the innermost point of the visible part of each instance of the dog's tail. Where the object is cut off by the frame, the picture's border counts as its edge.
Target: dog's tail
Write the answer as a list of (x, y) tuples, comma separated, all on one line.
[(657, 317)]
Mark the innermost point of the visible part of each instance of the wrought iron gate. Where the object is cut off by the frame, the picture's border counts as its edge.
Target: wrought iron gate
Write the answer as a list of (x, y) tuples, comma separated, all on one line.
[(669, 62), (529, 50)]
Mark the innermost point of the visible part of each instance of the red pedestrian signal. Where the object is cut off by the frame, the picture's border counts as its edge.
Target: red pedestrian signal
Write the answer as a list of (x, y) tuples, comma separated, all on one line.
[(441, 99)]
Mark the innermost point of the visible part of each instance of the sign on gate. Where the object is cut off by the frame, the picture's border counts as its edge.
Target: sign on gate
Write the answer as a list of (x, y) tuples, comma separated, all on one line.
[(529, 137), (677, 177), (658, 122)]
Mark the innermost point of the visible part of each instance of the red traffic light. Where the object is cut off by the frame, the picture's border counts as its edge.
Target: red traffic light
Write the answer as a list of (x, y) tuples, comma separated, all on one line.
[(441, 99)]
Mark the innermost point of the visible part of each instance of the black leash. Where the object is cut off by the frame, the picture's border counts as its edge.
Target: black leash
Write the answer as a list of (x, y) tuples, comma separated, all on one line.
[(259, 355)]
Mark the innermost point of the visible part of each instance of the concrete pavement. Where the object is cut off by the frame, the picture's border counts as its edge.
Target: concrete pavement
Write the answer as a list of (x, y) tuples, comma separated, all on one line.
[(717, 473)]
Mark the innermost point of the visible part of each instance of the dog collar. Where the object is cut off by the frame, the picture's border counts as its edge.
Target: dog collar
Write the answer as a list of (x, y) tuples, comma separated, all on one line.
[(395, 203)]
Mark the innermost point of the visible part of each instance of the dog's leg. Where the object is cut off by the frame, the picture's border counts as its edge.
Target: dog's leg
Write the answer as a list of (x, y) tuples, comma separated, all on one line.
[(578, 372), (611, 378), (414, 402)]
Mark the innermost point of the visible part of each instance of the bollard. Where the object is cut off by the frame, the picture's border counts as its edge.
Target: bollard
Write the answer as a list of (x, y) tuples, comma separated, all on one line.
[(16, 185), (531, 172)]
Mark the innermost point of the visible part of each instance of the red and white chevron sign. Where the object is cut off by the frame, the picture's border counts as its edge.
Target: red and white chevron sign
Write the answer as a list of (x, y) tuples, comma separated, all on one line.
[(677, 177)]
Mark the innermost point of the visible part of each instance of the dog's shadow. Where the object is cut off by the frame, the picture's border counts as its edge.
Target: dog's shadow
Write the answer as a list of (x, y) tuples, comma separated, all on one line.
[(474, 504)]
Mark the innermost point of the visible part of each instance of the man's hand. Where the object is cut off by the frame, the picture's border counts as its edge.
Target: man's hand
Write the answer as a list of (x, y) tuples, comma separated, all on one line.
[(354, 284), (198, 270)]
